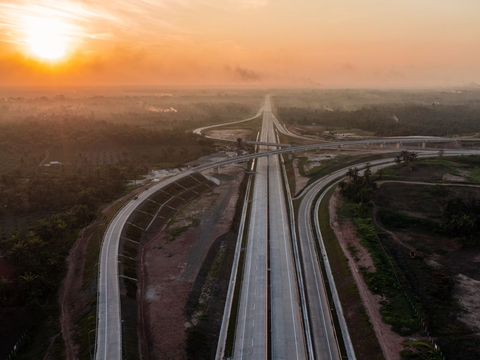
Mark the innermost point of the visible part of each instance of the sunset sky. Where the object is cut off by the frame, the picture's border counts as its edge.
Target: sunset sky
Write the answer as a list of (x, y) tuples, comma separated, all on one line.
[(305, 43)]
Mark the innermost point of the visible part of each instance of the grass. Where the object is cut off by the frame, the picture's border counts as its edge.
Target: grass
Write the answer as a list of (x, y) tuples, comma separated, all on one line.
[(431, 287), (398, 221), (419, 350), (363, 336), (353, 251), (337, 163), (44, 337), (396, 310), (290, 174), (433, 169), (176, 232)]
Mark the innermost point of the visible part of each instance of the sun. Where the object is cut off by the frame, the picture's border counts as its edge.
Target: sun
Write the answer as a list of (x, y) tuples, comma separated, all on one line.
[(47, 37)]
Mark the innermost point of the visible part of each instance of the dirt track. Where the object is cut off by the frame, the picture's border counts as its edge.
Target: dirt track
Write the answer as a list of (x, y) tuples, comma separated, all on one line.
[(390, 342)]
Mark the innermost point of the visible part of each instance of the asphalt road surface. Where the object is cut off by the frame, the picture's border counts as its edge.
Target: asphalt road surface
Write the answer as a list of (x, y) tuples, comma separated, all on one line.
[(251, 337), (269, 220)]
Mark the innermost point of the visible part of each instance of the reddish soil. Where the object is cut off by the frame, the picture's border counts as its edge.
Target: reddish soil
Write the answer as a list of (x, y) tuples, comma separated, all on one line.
[(390, 342), (72, 299), (300, 181), (169, 269)]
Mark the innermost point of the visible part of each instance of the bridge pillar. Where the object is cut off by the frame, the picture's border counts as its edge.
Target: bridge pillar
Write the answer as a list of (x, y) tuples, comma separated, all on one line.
[(423, 144), (398, 145), (340, 147), (215, 170), (245, 165), (290, 156), (382, 145)]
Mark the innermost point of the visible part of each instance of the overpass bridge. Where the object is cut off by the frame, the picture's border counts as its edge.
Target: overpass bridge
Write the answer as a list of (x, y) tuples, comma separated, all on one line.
[(267, 144)]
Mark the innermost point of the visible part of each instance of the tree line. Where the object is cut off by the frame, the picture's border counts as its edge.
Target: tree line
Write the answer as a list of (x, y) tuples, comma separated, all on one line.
[(391, 120)]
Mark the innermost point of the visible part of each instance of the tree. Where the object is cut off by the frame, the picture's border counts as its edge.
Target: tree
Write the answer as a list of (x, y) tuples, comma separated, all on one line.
[(29, 284)]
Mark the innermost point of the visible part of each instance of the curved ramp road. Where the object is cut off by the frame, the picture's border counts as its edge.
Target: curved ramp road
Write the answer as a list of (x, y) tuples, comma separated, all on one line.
[(268, 207), (109, 329), (199, 130), (323, 334)]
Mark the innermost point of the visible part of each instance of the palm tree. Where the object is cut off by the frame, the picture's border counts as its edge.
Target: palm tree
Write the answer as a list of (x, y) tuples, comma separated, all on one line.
[(44, 229), (19, 251), (350, 173), (28, 282)]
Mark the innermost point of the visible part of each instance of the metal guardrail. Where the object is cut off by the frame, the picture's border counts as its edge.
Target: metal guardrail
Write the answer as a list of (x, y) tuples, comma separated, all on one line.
[(298, 266), (98, 268), (331, 280), (233, 277)]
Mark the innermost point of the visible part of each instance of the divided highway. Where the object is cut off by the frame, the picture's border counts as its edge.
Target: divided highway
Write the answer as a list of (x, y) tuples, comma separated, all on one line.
[(269, 261), (267, 246), (251, 330)]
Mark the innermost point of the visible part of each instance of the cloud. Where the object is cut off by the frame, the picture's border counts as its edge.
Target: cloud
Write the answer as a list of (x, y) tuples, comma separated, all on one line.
[(244, 75)]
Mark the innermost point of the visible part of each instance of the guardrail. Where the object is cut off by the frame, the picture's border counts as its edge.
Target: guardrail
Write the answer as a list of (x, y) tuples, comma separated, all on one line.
[(98, 268), (301, 287), (233, 277), (338, 306)]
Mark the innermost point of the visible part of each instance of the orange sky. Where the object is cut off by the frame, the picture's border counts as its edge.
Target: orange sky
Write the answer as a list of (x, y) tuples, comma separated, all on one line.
[(329, 43)]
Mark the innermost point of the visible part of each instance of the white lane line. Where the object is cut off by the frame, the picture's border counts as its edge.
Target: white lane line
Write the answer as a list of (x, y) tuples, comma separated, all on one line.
[(105, 277), (248, 284), (288, 266), (312, 251)]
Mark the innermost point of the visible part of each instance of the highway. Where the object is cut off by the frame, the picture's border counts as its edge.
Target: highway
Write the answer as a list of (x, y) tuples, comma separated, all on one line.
[(108, 337), (199, 130), (269, 246), (251, 329), (323, 334), (288, 338), (322, 330), (109, 330)]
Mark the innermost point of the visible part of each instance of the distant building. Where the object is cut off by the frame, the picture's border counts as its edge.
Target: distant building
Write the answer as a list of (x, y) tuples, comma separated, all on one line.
[(55, 163)]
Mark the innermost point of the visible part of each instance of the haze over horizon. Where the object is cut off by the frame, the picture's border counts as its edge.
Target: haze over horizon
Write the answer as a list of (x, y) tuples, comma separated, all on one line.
[(307, 43)]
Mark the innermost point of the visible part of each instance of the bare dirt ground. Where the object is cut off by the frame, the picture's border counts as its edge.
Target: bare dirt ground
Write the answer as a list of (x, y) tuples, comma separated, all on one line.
[(300, 181), (390, 342), (169, 268), (230, 134), (466, 293)]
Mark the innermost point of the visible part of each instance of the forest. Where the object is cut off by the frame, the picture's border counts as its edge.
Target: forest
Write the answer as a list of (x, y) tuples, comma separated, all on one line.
[(391, 120), (61, 163)]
